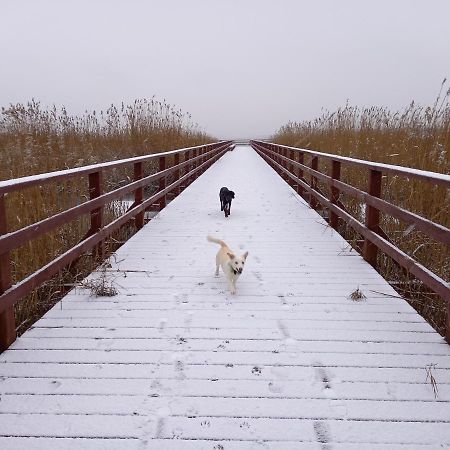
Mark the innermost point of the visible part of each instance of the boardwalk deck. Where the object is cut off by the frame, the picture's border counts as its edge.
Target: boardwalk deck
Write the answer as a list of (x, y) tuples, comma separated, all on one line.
[(175, 362)]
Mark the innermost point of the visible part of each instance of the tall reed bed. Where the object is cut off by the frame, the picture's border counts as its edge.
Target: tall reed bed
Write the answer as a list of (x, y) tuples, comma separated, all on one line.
[(36, 140), (417, 137)]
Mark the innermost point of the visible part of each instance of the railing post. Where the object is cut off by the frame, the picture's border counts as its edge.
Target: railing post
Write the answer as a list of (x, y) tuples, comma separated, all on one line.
[(139, 194), (182, 171), (204, 159), (335, 175), (162, 182), (284, 164), (191, 165), (7, 320), (200, 161), (95, 190), (281, 161), (370, 250), (209, 158), (291, 167), (177, 172), (301, 160), (314, 166)]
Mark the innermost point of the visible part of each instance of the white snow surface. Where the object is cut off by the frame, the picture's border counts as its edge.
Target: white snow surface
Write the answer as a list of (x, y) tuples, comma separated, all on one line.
[(176, 362)]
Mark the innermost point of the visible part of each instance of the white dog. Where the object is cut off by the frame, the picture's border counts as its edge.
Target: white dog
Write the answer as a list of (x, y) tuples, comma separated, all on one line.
[(231, 264)]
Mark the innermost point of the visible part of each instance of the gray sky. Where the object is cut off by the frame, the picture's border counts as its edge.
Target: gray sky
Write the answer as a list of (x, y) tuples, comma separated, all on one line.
[(242, 68)]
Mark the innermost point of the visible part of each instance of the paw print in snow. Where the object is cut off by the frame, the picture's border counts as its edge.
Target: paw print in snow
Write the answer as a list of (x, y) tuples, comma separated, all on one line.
[(244, 425), (206, 423), (256, 370), (177, 433), (219, 447)]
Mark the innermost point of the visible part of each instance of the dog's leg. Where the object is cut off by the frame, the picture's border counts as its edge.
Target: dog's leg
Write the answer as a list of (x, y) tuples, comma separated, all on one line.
[(221, 205), (232, 286), (217, 265)]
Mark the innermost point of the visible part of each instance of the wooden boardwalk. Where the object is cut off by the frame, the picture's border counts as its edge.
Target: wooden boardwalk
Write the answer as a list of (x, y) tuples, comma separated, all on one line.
[(175, 362)]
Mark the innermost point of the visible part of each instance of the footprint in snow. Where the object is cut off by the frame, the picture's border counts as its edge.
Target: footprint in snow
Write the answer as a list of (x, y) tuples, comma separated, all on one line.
[(283, 329), (162, 415), (177, 433), (322, 431), (276, 388), (258, 276), (162, 325), (256, 370), (323, 376)]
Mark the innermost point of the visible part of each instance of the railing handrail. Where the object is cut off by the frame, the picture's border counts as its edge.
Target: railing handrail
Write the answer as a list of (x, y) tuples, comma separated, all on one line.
[(48, 177), (196, 160), (374, 238), (435, 177)]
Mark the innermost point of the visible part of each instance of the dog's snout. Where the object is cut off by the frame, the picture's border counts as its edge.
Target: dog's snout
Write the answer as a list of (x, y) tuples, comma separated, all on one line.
[(240, 270)]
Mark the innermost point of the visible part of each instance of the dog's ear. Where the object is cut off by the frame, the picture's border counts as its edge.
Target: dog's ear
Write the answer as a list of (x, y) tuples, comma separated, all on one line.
[(245, 255), (231, 255)]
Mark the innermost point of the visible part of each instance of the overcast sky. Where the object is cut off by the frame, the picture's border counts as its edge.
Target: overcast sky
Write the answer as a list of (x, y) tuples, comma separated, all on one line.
[(242, 68)]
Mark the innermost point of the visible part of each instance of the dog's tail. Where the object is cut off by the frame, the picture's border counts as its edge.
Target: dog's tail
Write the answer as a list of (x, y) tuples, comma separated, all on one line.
[(216, 241)]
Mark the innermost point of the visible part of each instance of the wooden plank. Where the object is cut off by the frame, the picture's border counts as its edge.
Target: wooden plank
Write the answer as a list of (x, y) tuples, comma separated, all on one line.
[(410, 376)]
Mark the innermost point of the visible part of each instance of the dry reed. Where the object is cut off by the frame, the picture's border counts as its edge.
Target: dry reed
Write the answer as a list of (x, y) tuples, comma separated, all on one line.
[(35, 140), (417, 137)]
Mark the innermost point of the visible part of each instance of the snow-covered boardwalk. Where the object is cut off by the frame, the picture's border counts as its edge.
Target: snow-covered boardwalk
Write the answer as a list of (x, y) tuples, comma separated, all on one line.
[(175, 362)]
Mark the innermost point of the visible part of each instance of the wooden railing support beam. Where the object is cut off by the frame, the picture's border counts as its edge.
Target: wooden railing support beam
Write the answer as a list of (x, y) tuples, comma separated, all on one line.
[(314, 166), (372, 220), (139, 194), (336, 175), (7, 320), (95, 190), (162, 182)]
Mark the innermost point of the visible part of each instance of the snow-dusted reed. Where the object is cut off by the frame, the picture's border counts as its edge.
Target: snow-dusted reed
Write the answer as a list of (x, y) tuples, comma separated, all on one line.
[(34, 140), (417, 137)]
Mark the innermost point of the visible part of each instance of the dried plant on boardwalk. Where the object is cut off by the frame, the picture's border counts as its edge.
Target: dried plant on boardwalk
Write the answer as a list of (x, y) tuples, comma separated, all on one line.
[(101, 286), (357, 295), (431, 379)]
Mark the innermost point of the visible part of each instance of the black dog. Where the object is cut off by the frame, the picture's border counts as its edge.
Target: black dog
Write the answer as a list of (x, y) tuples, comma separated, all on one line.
[(225, 200)]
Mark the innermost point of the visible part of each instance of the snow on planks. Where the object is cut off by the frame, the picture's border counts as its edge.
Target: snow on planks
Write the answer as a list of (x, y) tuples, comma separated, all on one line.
[(175, 362)]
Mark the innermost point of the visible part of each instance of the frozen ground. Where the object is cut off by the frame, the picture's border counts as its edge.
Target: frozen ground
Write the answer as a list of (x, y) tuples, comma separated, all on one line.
[(175, 362)]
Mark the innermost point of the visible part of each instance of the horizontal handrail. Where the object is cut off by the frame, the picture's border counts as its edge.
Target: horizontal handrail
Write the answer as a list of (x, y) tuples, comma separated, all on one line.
[(16, 292), (59, 175), (17, 238), (276, 155), (196, 160), (424, 175), (434, 230)]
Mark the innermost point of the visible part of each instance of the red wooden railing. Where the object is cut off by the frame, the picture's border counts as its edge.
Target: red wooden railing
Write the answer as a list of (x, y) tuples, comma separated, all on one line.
[(195, 161), (289, 163)]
